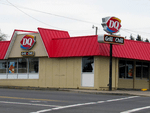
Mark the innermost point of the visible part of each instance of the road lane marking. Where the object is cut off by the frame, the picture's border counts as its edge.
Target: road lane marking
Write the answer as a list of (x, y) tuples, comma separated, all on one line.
[(121, 98), (6, 102), (136, 109), (31, 99), (35, 101), (83, 104)]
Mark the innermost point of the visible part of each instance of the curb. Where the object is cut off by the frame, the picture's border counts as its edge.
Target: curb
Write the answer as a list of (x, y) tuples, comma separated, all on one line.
[(125, 93), (116, 92)]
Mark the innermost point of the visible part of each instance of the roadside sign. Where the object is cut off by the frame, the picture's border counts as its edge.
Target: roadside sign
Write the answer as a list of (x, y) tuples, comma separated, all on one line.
[(111, 24), (113, 39)]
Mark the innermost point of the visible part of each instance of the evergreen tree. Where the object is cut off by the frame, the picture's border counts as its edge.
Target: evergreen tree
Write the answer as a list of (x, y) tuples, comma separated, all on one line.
[(146, 40), (131, 37), (2, 36), (138, 38)]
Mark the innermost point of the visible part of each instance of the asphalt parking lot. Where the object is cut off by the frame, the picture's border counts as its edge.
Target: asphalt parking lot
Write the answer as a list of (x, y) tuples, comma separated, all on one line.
[(39, 101)]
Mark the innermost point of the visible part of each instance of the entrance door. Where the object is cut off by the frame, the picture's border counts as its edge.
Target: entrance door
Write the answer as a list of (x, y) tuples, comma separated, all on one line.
[(87, 72)]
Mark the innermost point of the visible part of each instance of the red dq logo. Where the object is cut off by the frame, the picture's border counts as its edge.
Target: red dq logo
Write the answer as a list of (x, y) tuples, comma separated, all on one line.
[(112, 24), (27, 42)]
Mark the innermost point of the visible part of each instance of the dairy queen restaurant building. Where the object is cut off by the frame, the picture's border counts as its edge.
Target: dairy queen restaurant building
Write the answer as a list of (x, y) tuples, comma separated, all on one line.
[(49, 58)]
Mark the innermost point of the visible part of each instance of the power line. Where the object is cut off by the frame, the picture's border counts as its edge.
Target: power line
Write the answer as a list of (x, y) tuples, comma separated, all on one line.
[(31, 16), (128, 31), (131, 32), (124, 29), (37, 19), (134, 31), (53, 14)]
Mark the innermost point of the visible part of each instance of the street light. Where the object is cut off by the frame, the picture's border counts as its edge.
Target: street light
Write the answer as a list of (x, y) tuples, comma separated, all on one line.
[(95, 29)]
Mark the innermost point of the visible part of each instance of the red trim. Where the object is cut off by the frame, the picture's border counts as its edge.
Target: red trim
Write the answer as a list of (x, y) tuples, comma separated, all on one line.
[(4, 47), (22, 31), (26, 31), (48, 35)]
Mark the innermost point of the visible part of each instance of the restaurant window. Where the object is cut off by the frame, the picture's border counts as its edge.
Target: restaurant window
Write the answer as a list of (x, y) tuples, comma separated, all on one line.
[(146, 70), (3, 67), (122, 69), (12, 66), (88, 64), (138, 69), (19, 67), (22, 65), (125, 69), (142, 70), (33, 65), (129, 66)]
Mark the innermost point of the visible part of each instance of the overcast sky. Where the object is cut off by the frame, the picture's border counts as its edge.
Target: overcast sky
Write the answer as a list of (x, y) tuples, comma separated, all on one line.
[(75, 16)]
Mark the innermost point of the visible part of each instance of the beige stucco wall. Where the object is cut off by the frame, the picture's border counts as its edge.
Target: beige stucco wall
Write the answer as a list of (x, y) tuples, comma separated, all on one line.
[(141, 84), (125, 83), (66, 73), (137, 84), (20, 82), (134, 83), (102, 73), (39, 47), (60, 72)]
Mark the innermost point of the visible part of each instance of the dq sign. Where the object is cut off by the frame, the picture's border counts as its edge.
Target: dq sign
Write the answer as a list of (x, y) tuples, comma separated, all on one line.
[(27, 42), (111, 24)]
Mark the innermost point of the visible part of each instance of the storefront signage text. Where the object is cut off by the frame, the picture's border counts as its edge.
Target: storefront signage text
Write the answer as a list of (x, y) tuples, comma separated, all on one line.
[(111, 24), (27, 53), (27, 42), (113, 39)]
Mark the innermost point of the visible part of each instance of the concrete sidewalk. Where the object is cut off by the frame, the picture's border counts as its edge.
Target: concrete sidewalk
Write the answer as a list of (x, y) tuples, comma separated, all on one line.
[(115, 92)]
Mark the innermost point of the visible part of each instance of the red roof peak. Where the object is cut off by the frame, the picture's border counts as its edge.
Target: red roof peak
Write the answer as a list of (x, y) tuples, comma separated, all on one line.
[(26, 31), (52, 29), (48, 34)]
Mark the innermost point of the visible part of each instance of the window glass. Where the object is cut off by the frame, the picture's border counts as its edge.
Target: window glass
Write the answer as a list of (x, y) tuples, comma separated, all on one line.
[(33, 65), (3, 67), (12, 66), (22, 65), (129, 69), (138, 69), (125, 69), (146, 70), (88, 64), (122, 69)]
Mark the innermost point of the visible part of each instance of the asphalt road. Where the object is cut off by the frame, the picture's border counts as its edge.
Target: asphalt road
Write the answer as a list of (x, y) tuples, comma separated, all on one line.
[(38, 101)]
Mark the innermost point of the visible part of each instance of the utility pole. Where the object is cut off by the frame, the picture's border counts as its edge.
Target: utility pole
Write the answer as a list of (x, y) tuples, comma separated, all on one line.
[(110, 68), (96, 29)]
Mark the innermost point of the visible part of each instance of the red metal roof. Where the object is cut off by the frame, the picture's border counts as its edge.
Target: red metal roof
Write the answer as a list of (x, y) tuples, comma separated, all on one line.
[(75, 46), (60, 44), (48, 34), (3, 46), (88, 46), (132, 50)]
